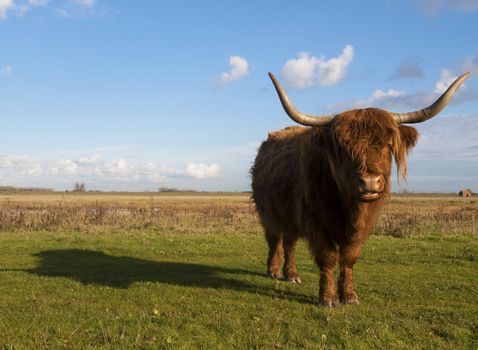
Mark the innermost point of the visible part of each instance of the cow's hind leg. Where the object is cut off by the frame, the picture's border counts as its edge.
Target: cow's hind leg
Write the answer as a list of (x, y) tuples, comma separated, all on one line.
[(348, 256), (290, 269), (275, 257)]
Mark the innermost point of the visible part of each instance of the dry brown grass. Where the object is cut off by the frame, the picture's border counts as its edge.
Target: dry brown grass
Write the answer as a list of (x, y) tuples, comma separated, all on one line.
[(409, 216), (96, 212), (218, 213)]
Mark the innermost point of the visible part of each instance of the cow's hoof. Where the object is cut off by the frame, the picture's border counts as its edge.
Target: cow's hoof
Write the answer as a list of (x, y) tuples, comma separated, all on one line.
[(293, 279), (275, 275), (350, 299), (329, 301)]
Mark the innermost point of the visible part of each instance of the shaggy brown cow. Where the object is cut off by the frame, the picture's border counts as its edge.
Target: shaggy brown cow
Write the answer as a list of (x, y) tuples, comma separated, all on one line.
[(326, 183)]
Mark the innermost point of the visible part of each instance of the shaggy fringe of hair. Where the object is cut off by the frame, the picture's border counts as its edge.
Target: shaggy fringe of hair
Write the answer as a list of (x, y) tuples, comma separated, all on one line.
[(357, 131)]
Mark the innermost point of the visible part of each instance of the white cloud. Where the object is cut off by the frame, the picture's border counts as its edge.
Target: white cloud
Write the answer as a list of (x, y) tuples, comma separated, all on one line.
[(106, 169), (34, 170), (66, 166), (85, 3), (434, 7), (239, 69), (380, 97), (38, 2), (7, 70), (7, 160), (84, 166), (171, 172), (20, 164), (63, 13), (401, 99), (306, 70), (446, 79), (202, 171), (119, 167), (88, 160), (62, 8), (5, 5), (25, 7)]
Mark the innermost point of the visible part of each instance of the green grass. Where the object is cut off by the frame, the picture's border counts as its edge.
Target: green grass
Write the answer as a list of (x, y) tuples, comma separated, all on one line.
[(140, 289)]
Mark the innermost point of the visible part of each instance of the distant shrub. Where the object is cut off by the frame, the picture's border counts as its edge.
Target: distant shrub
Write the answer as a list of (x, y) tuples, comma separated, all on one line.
[(79, 187)]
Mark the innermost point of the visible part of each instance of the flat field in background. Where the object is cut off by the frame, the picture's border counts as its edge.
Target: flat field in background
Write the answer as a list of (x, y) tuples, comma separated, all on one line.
[(185, 271)]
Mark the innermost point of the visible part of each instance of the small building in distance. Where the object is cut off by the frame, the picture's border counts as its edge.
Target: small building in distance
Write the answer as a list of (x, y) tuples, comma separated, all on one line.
[(465, 193)]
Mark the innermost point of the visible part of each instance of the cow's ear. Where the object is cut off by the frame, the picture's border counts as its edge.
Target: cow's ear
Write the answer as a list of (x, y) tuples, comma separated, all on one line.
[(409, 136)]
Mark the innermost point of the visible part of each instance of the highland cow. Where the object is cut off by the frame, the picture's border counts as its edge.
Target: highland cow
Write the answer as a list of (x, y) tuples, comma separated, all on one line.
[(326, 182)]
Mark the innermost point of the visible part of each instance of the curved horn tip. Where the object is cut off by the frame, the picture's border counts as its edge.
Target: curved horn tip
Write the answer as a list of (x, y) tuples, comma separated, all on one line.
[(464, 76), (435, 108)]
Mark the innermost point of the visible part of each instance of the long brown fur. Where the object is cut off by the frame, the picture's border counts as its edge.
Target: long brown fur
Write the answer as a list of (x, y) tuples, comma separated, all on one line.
[(305, 181)]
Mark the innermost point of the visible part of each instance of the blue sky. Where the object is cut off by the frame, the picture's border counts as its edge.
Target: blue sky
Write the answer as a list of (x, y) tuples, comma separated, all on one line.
[(139, 95)]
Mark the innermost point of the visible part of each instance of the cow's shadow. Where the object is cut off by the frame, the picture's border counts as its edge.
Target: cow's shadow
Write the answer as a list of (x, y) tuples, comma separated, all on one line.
[(91, 267)]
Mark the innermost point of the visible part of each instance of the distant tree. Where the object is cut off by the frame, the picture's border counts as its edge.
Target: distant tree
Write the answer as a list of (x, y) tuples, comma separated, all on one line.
[(80, 187), (168, 189)]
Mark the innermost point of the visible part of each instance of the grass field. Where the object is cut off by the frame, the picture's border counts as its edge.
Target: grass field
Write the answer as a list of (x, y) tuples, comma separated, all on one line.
[(153, 271)]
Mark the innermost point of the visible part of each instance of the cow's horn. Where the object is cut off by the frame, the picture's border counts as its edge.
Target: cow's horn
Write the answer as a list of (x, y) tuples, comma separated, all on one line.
[(293, 113), (432, 110)]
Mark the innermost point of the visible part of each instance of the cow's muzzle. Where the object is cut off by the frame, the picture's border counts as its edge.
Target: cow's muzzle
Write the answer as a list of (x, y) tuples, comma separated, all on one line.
[(371, 187)]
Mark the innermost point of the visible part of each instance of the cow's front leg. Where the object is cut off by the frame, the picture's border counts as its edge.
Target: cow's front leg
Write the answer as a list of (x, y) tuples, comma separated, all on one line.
[(348, 257), (290, 269), (326, 256)]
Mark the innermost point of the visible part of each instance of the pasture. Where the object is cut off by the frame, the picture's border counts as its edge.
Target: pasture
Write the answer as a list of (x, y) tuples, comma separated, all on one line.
[(169, 271)]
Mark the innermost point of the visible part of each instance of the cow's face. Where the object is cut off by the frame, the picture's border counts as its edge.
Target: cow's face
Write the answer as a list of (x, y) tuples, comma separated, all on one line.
[(364, 142)]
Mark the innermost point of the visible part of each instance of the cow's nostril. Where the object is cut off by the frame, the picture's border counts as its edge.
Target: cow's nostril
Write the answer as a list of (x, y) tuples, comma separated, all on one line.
[(379, 183)]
